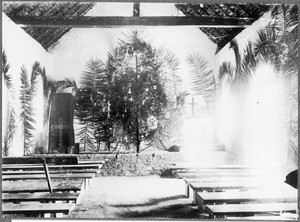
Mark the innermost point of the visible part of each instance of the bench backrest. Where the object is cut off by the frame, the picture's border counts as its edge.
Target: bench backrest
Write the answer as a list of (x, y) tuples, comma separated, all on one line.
[(51, 160)]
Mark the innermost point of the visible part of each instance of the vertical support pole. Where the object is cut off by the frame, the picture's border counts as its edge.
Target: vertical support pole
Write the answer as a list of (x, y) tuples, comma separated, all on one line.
[(187, 190), (47, 176), (136, 9)]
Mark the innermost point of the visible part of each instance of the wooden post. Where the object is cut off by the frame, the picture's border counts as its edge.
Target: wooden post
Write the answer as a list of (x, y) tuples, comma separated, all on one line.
[(47, 175)]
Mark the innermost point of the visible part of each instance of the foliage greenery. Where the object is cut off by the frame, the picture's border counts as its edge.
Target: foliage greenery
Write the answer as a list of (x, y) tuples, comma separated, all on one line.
[(10, 114), (277, 44), (129, 99)]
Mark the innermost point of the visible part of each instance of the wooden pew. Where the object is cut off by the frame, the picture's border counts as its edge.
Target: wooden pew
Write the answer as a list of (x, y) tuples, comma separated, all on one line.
[(86, 177), (188, 181), (33, 186), (53, 176), (197, 166), (229, 173), (248, 209), (210, 198), (24, 182), (11, 167), (219, 186), (37, 209), (51, 159), (24, 172), (42, 197), (80, 161)]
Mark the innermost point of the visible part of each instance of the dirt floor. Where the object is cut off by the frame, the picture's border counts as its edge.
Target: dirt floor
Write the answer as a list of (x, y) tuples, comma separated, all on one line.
[(148, 197)]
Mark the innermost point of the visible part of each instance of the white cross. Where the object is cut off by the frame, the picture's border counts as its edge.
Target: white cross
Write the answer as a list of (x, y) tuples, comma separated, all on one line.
[(193, 105)]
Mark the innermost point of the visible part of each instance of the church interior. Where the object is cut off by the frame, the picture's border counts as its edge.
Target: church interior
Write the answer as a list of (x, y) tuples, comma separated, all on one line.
[(149, 110)]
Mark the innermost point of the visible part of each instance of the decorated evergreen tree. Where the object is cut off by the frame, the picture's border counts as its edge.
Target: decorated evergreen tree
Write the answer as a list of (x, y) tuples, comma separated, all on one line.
[(139, 77), (127, 99)]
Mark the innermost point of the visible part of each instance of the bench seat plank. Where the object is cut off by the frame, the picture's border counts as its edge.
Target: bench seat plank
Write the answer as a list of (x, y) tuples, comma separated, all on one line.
[(188, 181), (37, 208), (53, 176), (91, 161), (208, 198), (235, 185), (19, 172), (232, 209), (219, 185), (181, 175), (197, 165), (32, 186), (39, 197), (52, 159), (50, 167)]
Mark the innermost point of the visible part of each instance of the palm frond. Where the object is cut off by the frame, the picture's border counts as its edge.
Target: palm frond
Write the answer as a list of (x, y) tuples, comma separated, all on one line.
[(5, 68), (26, 115), (169, 74), (10, 131), (67, 85), (10, 118), (86, 135), (94, 75), (249, 61), (226, 69), (35, 71), (201, 77)]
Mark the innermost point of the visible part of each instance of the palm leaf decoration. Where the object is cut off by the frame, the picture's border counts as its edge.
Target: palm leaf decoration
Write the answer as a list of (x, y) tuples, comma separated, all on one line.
[(27, 91), (279, 45), (89, 98), (95, 75), (67, 84), (5, 69), (163, 136), (10, 114), (26, 111), (201, 77)]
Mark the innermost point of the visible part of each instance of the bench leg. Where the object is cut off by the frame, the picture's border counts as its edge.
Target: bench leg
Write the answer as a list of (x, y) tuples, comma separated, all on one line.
[(195, 197), (187, 191)]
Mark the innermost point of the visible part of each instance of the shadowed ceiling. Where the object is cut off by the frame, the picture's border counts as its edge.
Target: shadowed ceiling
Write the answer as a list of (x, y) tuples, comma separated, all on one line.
[(47, 36)]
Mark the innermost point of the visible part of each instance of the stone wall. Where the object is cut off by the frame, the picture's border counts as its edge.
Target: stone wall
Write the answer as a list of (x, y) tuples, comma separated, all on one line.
[(145, 163)]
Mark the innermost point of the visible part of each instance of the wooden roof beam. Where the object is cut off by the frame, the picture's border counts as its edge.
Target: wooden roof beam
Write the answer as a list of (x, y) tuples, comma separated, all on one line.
[(94, 22)]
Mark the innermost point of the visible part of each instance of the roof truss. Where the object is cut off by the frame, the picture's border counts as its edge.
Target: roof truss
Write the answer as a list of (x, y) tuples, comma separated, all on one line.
[(94, 22)]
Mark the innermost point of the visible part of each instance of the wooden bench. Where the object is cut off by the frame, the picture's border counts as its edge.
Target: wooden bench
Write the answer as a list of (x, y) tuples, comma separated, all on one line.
[(188, 181), (6, 167), (209, 198), (59, 171), (42, 197), (248, 209), (229, 173), (230, 185), (37, 209), (85, 176), (33, 186), (26, 179), (57, 160)]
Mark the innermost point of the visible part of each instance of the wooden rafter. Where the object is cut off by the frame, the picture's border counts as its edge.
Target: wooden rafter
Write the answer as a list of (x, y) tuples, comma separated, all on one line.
[(92, 22)]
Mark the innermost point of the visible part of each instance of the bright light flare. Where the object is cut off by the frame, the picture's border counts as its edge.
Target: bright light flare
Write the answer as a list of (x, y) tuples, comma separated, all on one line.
[(264, 128), (226, 113)]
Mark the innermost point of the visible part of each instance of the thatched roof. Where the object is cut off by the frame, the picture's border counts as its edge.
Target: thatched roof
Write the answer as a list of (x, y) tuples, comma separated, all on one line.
[(48, 35), (221, 36), (44, 35)]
